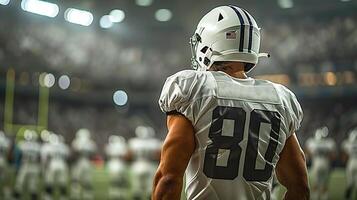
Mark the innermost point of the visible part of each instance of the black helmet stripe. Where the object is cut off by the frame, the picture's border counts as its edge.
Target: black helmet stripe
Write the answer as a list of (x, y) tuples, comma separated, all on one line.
[(242, 29), (250, 31)]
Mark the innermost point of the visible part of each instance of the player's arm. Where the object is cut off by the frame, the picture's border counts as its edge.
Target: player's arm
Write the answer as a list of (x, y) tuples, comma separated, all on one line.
[(291, 170), (175, 155)]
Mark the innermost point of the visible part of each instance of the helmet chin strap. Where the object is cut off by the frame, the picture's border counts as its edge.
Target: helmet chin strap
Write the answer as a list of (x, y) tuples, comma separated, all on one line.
[(193, 45)]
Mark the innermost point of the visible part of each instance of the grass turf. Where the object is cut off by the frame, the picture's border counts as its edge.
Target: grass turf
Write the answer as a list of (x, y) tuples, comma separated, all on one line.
[(336, 184)]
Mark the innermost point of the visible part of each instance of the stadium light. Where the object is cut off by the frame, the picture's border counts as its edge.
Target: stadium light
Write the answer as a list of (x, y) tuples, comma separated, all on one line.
[(105, 22), (64, 82), (163, 15), (80, 17), (40, 7), (120, 98), (117, 15), (47, 80), (285, 4), (4, 2), (143, 2)]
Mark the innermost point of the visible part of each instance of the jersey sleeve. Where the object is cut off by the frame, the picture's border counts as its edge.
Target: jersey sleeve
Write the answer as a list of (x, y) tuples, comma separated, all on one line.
[(293, 109), (179, 93)]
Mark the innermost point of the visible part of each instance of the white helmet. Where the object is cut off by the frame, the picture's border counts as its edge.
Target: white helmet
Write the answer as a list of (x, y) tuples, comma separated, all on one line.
[(30, 135), (321, 133), (83, 133), (144, 132), (226, 33), (116, 139)]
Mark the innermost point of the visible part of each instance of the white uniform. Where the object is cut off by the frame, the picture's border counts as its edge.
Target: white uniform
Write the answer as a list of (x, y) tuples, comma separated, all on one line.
[(350, 147), (30, 169), (241, 127), (143, 168), (118, 171), (81, 173), (321, 150), (54, 155), (4, 147)]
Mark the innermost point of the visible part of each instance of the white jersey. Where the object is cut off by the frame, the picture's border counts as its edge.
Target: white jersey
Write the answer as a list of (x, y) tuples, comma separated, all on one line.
[(4, 147), (145, 147), (321, 149), (350, 147), (30, 151), (84, 146), (55, 152), (241, 126), (143, 168)]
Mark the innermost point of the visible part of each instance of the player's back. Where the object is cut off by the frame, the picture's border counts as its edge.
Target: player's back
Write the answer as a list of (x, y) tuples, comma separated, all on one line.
[(241, 126)]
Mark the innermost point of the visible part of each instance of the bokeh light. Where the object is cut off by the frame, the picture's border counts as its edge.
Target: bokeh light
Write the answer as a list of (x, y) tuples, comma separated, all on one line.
[(80, 17), (143, 2), (64, 82), (120, 98), (40, 7), (105, 22), (116, 16), (47, 80), (163, 15)]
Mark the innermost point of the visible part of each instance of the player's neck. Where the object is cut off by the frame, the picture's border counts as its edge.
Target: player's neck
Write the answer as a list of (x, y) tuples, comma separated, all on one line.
[(240, 75)]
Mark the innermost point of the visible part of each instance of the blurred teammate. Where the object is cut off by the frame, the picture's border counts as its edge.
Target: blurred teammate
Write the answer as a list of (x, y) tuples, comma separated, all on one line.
[(119, 184), (228, 131), (54, 157), (144, 147), (4, 148), (28, 177), (82, 181), (349, 146), (321, 149)]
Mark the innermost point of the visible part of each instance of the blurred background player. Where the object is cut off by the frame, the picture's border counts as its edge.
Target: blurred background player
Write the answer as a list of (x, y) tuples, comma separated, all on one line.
[(145, 149), (54, 155), (28, 176), (321, 150), (4, 148), (349, 146), (82, 182), (119, 184)]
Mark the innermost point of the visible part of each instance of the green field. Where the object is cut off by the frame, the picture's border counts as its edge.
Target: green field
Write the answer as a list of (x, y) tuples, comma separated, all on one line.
[(336, 184)]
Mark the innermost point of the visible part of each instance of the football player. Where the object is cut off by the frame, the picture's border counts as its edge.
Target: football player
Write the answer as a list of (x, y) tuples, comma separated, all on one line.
[(349, 146), (144, 147), (321, 149), (54, 157), (82, 183), (30, 168), (228, 131), (4, 148), (119, 184)]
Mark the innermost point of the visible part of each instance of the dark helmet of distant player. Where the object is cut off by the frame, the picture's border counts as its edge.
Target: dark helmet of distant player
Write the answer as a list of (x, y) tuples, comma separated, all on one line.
[(226, 33)]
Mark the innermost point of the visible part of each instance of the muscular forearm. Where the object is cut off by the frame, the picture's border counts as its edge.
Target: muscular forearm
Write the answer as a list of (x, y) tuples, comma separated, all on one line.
[(297, 193), (167, 187)]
